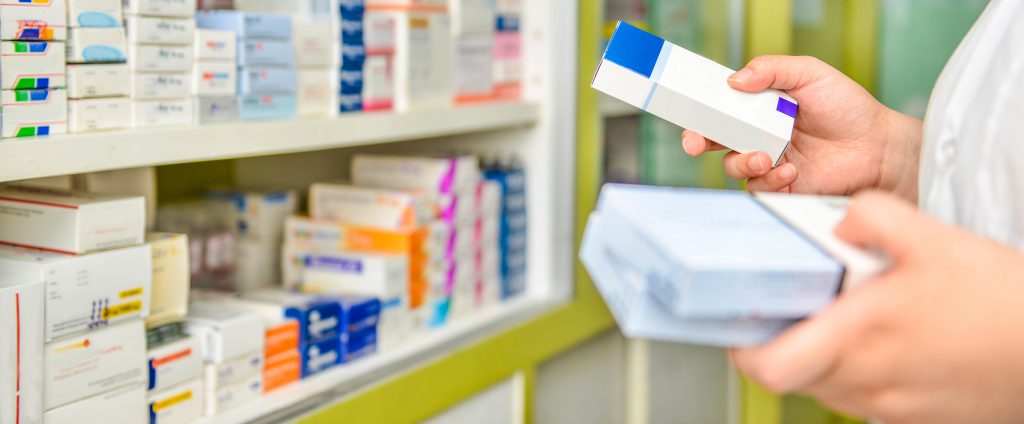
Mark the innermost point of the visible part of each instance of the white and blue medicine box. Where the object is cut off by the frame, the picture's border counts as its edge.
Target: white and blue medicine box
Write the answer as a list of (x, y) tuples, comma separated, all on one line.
[(350, 81), (351, 9), (321, 356), (358, 344), (208, 110), (266, 52), (352, 31), (33, 113), (247, 25), (33, 20), (691, 91), (353, 56), (359, 313), (319, 317), (267, 80), (254, 107), (94, 13), (28, 65), (350, 102)]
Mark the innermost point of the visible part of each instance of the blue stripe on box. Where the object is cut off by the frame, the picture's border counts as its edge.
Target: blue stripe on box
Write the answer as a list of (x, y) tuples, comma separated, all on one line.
[(787, 107), (659, 66), (634, 49)]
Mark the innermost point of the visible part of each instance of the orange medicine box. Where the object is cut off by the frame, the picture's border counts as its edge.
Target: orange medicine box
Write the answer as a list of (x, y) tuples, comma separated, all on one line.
[(281, 370)]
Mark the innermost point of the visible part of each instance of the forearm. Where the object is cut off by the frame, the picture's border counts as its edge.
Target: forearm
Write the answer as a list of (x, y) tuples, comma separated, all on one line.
[(902, 155)]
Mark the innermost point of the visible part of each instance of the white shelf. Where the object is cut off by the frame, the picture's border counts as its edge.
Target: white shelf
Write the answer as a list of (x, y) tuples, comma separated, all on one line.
[(615, 108), (321, 390), (90, 152)]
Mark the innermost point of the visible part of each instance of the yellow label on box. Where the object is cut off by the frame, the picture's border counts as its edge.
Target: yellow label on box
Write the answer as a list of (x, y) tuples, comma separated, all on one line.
[(122, 309), (174, 400), (131, 293)]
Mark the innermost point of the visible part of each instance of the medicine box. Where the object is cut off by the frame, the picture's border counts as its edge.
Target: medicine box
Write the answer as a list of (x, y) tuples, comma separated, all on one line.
[(233, 370), (98, 114), (218, 45), (305, 233), (358, 344), (208, 110), (261, 213), (474, 68), (161, 112), (321, 355), (168, 8), (225, 332), (174, 363), (35, 20), (96, 45), (267, 80), (157, 58), (256, 52), (378, 83), (33, 113), (254, 107), (435, 176), (422, 83), (210, 78), (313, 92), (350, 102), (313, 43), (21, 348), (351, 81), (127, 401), (282, 337), (349, 272), (170, 278), (319, 317), (282, 370), (161, 85), (94, 13), (98, 80), (178, 405), (159, 30), (370, 207), (88, 364), (247, 25), (32, 65), (691, 91), (472, 16), (221, 399)]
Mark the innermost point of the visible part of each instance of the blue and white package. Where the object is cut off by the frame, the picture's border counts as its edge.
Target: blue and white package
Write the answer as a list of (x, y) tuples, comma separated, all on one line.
[(359, 313), (94, 13), (350, 103), (267, 106), (691, 91), (352, 9), (247, 25), (321, 356), (351, 81), (352, 30), (353, 56), (267, 80), (266, 52), (319, 317), (358, 344)]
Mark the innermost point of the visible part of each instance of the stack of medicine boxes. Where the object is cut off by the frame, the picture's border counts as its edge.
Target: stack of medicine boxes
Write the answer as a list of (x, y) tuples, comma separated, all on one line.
[(97, 292), (160, 35), (378, 72), (473, 50), (512, 238), (313, 47), (423, 51), (98, 82), (232, 342), (351, 55), (508, 50), (215, 76), (33, 106), (267, 79), (484, 286)]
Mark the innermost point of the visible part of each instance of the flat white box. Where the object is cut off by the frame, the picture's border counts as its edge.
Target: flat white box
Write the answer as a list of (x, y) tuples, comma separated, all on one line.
[(161, 85), (234, 395), (87, 291), (174, 363), (314, 44), (86, 365), (226, 332), (171, 278), (378, 83), (94, 13), (30, 113), (211, 78), (98, 80), (125, 182), (314, 94), (21, 349), (233, 370), (691, 91), (161, 112), (215, 109), (156, 58), (69, 221), (434, 175), (423, 60), (99, 114), (474, 67), (370, 207), (124, 405), (353, 273), (37, 20), (32, 65), (214, 44), (159, 30), (92, 45), (170, 8), (178, 405)]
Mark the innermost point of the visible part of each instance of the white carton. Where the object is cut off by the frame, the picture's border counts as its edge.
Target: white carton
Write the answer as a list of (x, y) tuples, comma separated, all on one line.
[(161, 112), (158, 30), (174, 363), (472, 16), (98, 80), (119, 406), (124, 182), (378, 83), (313, 44), (353, 273), (88, 291), (423, 60), (178, 405), (691, 91), (433, 175), (314, 94), (91, 45), (36, 20), (94, 13), (225, 332), (370, 207), (68, 221), (171, 278), (32, 113), (474, 67), (21, 349), (231, 396), (233, 370), (213, 44), (86, 365), (32, 65), (213, 78), (99, 114), (155, 58), (170, 8), (215, 109), (161, 85), (261, 213)]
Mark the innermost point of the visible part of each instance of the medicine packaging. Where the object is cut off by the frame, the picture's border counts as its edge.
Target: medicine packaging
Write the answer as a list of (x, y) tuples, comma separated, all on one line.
[(35, 20), (182, 404), (281, 334), (313, 43), (370, 207), (378, 83), (313, 92), (161, 112), (32, 113), (214, 79), (472, 16), (282, 370), (168, 8), (247, 25), (260, 213), (474, 68), (127, 401), (691, 91), (209, 110), (350, 102), (225, 332), (159, 30), (267, 80), (358, 344), (325, 235), (94, 13), (267, 106), (92, 45), (88, 364), (212, 44), (21, 348), (435, 176), (32, 65), (422, 83), (232, 396), (99, 114), (351, 273), (174, 363), (321, 355), (257, 52), (157, 58), (170, 278), (98, 80), (508, 56), (319, 317), (233, 370), (161, 85)]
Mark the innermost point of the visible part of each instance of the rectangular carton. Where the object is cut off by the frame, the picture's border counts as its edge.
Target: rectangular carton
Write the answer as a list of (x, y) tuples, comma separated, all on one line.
[(218, 45), (96, 45), (261, 213), (88, 364), (32, 65), (170, 278), (161, 85), (438, 175), (178, 405), (256, 52), (174, 363), (691, 91), (282, 333), (282, 370), (225, 332), (233, 370), (161, 112), (127, 401), (35, 20), (169, 8), (371, 207), (216, 79), (358, 344), (474, 68), (232, 396), (267, 80), (423, 59), (314, 93), (305, 233), (32, 113), (267, 106), (158, 30), (21, 348), (378, 83), (321, 355), (98, 80), (156, 58), (99, 114), (208, 110), (348, 272), (313, 44), (94, 13), (319, 317), (247, 25)]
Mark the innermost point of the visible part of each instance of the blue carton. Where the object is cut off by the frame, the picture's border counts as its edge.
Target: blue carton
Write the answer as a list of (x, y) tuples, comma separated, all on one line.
[(266, 52), (321, 356), (359, 313), (267, 80), (358, 344), (352, 31), (351, 81), (319, 318), (247, 25), (351, 9), (350, 103), (353, 56)]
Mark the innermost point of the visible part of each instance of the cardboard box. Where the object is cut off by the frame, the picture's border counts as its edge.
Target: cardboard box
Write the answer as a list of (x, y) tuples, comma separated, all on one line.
[(233, 370), (371, 207), (124, 182), (691, 91), (99, 114), (350, 102), (210, 110), (155, 58), (351, 81), (33, 113), (282, 370), (158, 30), (313, 44), (178, 405), (261, 213), (282, 337), (98, 80), (256, 52), (472, 16), (218, 45), (232, 396), (96, 45), (30, 65), (267, 80), (314, 94), (474, 68), (435, 176), (88, 364), (21, 348), (94, 13), (319, 235), (127, 401), (258, 265), (247, 25), (174, 363), (225, 332), (359, 344), (378, 83), (36, 20), (169, 8), (161, 112), (161, 85), (320, 356), (267, 106), (170, 278), (216, 79), (319, 317), (421, 83), (348, 272)]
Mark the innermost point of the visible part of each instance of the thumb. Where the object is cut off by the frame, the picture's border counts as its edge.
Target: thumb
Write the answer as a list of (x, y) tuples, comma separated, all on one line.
[(779, 72), (875, 220)]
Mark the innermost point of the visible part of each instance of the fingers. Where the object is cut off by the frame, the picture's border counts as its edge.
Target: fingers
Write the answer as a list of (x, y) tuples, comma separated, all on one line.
[(742, 166), (776, 180), (881, 221), (780, 72), (695, 144)]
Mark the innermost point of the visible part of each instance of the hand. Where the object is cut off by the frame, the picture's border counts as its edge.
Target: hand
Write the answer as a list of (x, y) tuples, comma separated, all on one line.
[(935, 339), (844, 140)]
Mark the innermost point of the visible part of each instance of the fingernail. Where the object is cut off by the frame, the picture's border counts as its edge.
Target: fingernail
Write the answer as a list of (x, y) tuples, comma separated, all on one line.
[(756, 164), (787, 172), (742, 75)]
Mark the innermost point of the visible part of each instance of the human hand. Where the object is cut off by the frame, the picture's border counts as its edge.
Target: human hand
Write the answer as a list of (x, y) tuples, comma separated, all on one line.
[(935, 339), (843, 141)]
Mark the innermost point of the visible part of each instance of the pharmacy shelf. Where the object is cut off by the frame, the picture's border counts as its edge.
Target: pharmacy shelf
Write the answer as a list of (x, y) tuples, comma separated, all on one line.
[(91, 152), (615, 108), (323, 389)]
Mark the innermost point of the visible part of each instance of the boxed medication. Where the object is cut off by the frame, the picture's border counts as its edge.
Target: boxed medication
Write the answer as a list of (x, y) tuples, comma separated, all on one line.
[(247, 25), (472, 16), (370, 207), (358, 344), (320, 356), (225, 332), (98, 80), (90, 45), (67, 221), (260, 213), (267, 106), (21, 348), (319, 317), (169, 8), (350, 273), (32, 113), (258, 264), (127, 401), (211, 78), (88, 364), (161, 112), (170, 278), (436, 176), (178, 405), (30, 65), (267, 80), (508, 57), (228, 397), (691, 91), (33, 20), (139, 181), (94, 13), (323, 235), (156, 58), (423, 59), (474, 68), (98, 114), (313, 44), (233, 370), (212, 44), (161, 85), (378, 83), (282, 370), (208, 110), (158, 30), (281, 333), (314, 93), (256, 52), (174, 363), (281, 337), (350, 102)]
